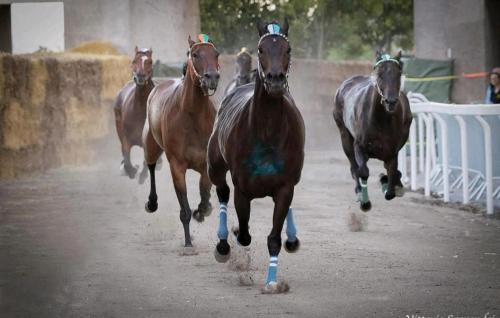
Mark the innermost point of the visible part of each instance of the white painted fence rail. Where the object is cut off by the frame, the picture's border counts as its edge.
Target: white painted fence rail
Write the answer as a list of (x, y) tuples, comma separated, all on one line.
[(440, 174)]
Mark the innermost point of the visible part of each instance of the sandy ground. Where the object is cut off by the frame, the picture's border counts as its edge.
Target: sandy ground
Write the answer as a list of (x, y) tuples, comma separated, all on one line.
[(76, 242)]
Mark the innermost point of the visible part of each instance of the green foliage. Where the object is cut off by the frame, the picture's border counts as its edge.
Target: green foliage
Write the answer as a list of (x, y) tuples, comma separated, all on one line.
[(334, 29)]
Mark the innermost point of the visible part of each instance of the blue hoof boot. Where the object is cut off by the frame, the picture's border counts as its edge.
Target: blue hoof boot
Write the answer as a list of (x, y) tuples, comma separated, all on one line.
[(292, 247), (222, 251)]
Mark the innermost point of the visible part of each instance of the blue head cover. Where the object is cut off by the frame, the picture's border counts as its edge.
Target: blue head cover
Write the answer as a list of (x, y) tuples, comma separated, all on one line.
[(385, 58)]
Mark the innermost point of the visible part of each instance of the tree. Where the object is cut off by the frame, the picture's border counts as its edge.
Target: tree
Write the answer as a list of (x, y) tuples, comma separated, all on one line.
[(319, 28)]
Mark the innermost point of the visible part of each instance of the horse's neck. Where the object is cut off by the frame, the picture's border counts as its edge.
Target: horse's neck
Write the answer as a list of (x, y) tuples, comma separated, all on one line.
[(142, 92), (192, 98), (267, 114), (377, 114)]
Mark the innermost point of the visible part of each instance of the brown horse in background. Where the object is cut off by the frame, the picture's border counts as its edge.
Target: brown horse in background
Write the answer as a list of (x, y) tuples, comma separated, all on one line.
[(244, 72), (259, 137), (180, 118), (374, 119), (130, 109)]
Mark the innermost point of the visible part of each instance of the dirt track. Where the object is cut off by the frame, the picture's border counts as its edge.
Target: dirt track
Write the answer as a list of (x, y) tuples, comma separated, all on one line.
[(77, 243)]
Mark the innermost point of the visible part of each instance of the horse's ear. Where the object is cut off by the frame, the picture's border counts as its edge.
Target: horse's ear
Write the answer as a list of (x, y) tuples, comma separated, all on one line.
[(398, 56), (378, 55), (136, 49), (284, 29), (261, 27), (191, 42)]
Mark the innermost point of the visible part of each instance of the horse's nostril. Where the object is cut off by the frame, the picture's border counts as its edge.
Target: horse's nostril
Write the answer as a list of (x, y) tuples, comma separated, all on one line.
[(206, 75), (217, 76), (281, 77), (269, 76)]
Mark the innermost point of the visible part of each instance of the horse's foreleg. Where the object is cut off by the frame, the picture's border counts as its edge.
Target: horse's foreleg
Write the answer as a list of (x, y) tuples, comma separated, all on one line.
[(127, 164), (242, 206), (204, 208), (282, 201), (391, 184), (363, 174), (178, 171), (152, 151), (222, 249)]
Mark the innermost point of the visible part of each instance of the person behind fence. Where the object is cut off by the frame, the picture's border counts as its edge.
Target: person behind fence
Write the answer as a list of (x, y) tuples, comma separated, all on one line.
[(493, 90)]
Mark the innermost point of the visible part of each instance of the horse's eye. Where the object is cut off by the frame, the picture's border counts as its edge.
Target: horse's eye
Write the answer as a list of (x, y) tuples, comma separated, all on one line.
[(260, 50), (195, 55)]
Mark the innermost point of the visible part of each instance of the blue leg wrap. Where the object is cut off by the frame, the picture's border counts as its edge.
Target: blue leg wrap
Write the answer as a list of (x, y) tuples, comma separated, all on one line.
[(364, 191), (291, 230), (272, 270), (222, 232)]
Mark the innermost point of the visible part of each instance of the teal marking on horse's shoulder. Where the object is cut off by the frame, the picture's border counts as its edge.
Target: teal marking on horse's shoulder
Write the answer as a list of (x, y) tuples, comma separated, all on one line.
[(264, 161)]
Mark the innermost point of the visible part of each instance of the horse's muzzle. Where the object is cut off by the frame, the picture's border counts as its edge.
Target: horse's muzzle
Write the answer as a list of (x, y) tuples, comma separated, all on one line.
[(140, 79), (390, 105), (211, 81), (275, 85)]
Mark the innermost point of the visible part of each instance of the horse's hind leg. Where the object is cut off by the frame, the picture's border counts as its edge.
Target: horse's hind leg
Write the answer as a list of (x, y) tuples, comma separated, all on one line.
[(348, 146), (217, 171), (282, 201), (391, 184), (204, 208), (363, 173)]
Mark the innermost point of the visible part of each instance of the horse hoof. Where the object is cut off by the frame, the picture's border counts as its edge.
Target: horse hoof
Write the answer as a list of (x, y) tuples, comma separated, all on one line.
[(188, 251), (222, 251), (292, 247), (123, 172), (142, 178), (198, 216), (389, 195), (275, 288), (208, 210), (151, 207), (365, 206), (400, 191)]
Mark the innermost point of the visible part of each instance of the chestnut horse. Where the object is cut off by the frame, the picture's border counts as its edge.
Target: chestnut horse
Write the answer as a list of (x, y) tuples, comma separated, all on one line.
[(244, 72), (130, 109), (259, 137), (180, 118), (374, 119)]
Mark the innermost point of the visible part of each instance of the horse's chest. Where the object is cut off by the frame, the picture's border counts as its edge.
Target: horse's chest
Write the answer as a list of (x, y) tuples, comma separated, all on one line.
[(379, 147), (264, 160)]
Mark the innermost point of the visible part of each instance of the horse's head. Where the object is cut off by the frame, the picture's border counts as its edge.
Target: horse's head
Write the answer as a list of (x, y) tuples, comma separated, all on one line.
[(204, 63), (388, 79), (244, 66), (142, 66), (274, 57)]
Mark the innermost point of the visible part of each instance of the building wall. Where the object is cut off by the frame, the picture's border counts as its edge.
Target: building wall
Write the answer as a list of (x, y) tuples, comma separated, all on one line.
[(163, 25), (458, 30)]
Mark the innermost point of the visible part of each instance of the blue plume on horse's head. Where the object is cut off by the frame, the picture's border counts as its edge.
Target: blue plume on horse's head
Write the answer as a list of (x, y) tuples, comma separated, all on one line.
[(272, 27), (381, 57)]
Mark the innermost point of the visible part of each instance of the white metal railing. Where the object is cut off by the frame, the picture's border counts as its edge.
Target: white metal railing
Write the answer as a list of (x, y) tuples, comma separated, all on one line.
[(422, 134)]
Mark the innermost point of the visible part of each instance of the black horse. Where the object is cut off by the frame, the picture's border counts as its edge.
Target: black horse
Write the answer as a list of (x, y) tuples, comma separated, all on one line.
[(259, 138), (244, 72), (374, 119)]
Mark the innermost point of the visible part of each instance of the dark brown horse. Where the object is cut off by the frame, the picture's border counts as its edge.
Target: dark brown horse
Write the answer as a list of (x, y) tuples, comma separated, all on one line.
[(259, 138), (130, 109), (374, 119), (244, 72), (180, 119)]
